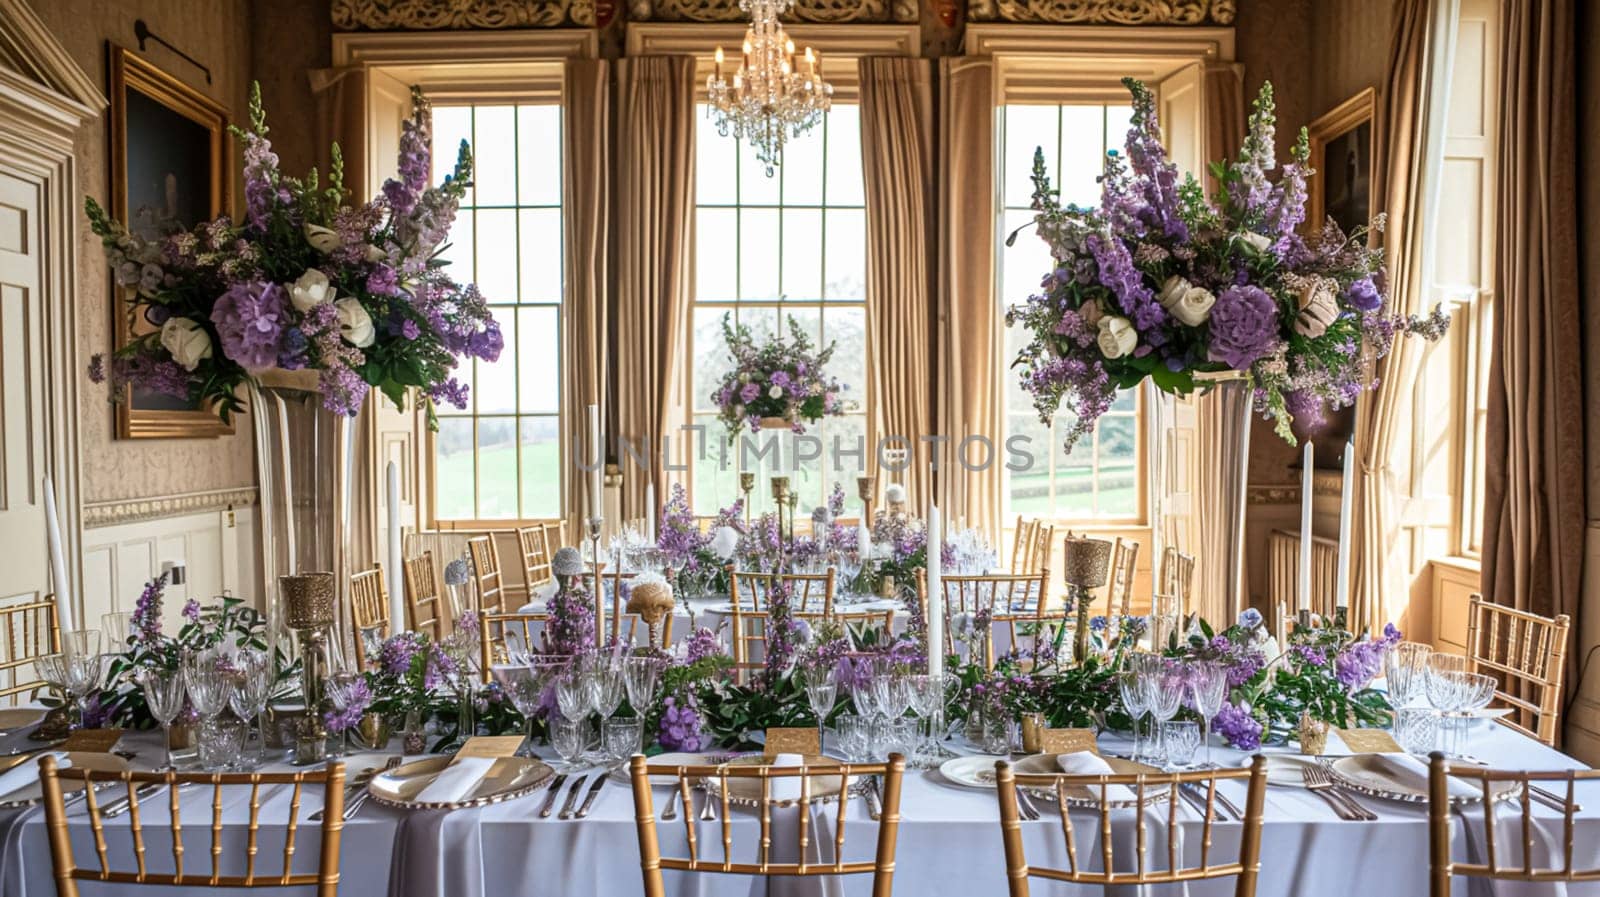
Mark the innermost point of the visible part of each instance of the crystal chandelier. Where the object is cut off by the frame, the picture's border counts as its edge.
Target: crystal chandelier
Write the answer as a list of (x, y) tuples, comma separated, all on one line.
[(771, 99)]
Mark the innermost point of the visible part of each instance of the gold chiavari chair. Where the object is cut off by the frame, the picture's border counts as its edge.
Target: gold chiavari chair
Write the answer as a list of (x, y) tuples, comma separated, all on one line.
[(1119, 580), (747, 631), (536, 555), (1527, 653), (496, 630), (1506, 862), (881, 868), (424, 604), (330, 781), (369, 609), (555, 536), (751, 588), (1177, 576), (487, 574), (1031, 550), (31, 631), (1021, 544), (1005, 595), (1244, 867)]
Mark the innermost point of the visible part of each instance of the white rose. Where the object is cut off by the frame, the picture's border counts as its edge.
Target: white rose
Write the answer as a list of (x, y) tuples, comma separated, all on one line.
[(1255, 240), (775, 392), (187, 342), (738, 411), (895, 494), (311, 290), (1318, 309), (322, 239), (355, 325), (1194, 308), (1172, 291), (724, 542), (1117, 336), (1091, 312)]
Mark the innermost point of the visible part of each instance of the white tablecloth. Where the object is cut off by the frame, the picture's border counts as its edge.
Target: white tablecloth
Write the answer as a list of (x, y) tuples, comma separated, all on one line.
[(949, 843)]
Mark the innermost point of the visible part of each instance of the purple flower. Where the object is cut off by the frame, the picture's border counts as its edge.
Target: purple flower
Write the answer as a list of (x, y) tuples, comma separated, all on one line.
[(145, 627), (1244, 326), (250, 319), (680, 725), (1118, 275), (451, 391), (191, 610), (1250, 618), (1309, 655), (780, 378), (343, 390), (96, 714), (1363, 295), (383, 281), (570, 628), (410, 329), (394, 658), (748, 392), (1238, 727), (702, 644)]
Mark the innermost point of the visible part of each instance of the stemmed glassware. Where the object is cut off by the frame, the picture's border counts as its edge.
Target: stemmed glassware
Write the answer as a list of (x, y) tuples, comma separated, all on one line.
[(206, 687), (1447, 691), (605, 687), (85, 665), (342, 692), (849, 565), (641, 675), (822, 688), (1405, 670), (1208, 682), (163, 694), (1131, 688), (524, 690), (248, 699), (1164, 689)]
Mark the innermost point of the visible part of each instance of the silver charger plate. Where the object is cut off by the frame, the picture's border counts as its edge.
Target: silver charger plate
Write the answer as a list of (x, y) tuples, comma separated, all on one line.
[(510, 778), (824, 788), (1352, 778), (1089, 798)]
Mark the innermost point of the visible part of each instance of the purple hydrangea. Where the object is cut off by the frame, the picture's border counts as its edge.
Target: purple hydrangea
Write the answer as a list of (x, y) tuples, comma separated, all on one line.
[(680, 724), (1363, 295), (250, 319), (1238, 727), (1244, 326)]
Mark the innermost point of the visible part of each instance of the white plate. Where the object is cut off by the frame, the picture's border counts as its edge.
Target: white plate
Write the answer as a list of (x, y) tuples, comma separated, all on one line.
[(669, 760), (970, 772), (1357, 773), (33, 792), (1489, 712), (1286, 769)]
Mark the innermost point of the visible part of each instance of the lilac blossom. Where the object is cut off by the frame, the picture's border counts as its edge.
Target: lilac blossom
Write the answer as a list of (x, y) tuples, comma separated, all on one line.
[(250, 319), (146, 623), (680, 724), (1238, 727)]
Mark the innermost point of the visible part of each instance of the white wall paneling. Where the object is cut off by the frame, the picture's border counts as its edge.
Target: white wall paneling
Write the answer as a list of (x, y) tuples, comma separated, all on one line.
[(219, 548)]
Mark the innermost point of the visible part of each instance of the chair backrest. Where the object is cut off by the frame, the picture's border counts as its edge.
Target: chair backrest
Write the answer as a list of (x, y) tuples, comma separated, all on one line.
[(807, 844), (1021, 543), (369, 608), (536, 556), (1515, 861), (165, 811), (31, 631), (495, 630), (1119, 579), (1030, 551), (1244, 866), (810, 593), (424, 603), (1009, 598), (1177, 576), (1527, 653), (486, 573), (555, 536), (747, 631)]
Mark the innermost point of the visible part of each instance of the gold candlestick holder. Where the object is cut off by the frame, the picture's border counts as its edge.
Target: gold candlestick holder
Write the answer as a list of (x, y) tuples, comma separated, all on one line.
[(309, 610), (1087, 562), (747, 485)]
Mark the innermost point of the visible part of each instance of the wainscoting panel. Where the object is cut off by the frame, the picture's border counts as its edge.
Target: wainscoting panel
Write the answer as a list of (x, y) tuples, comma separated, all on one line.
[(219, 549)]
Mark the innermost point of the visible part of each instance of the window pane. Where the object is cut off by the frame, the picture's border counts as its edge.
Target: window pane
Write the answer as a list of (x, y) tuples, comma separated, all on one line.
[(844, 156), (846, 262), (497, 468), (497, 381), (758, 254), (755, 188), (1082, 156), (451, 125), (715, 161), (710, 356), (802, 254), (458, 251), (497, 254), (539, 234), (538, 360), (716, 242), (847, 329), (453, 468), (539, 155), (802, 169), (541, 467), (494, 169), (1029, 128)]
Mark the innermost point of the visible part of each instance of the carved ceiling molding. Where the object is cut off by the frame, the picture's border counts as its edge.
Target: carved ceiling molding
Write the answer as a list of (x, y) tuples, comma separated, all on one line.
[(1103, 12), (818, 12), (442, 15)]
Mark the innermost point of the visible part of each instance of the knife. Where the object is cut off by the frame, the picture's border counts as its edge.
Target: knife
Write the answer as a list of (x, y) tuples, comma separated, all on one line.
[(594, 790), (874, 808), (572, 797), (550, 799), (122, 804)]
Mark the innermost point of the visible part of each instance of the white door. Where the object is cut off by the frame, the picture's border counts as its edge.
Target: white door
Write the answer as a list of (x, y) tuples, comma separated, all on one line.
[(23, 421)]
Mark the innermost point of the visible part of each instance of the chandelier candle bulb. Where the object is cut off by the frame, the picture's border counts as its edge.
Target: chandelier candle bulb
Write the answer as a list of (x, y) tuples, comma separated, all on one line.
[(769, 99), (1341, 582), (935, 622), (396, 584), (598, 457), (1307, 465)]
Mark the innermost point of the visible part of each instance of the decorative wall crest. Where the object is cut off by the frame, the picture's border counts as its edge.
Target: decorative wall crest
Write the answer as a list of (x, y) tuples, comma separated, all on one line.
[(436, 15), (1104, 12), (820, 12)]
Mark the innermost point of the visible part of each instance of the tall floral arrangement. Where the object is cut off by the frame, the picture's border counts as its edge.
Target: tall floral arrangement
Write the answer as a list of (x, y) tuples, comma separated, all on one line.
[(1160, 282), (778, 379), (357, 293)]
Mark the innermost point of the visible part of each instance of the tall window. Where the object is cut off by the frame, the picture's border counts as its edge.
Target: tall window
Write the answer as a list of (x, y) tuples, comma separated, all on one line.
[(1100, 478), (768, 249), (500, 457)]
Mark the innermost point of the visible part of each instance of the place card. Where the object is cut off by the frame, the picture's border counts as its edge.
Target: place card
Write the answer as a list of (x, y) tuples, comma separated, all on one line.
[(1067, 741), (91, 741), (1369, 741), (802, 741), (489, 746)]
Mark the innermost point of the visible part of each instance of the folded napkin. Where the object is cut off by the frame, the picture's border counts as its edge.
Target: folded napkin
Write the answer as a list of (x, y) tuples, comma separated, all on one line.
[(1412, 773), (456, 781), (27, 772), (786, 787), (1088, 763)]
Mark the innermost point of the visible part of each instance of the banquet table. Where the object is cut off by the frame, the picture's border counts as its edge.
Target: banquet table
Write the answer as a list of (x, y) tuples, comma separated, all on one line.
[(949, 841)]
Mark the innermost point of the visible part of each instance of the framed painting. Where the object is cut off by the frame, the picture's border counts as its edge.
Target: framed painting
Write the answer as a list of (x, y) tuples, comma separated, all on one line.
[(1342, 148), (168, 151)]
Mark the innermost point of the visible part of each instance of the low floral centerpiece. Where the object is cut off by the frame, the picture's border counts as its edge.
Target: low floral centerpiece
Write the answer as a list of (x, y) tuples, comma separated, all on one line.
[(777, 381), (356, 293), (1160, 282)]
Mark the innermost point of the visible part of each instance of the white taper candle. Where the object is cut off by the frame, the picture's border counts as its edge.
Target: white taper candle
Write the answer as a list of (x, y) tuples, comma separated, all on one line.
[(1341, 588), (396, 562), (597, 456), (650, 511), (58, 559), (935, 621), (1306, 490)]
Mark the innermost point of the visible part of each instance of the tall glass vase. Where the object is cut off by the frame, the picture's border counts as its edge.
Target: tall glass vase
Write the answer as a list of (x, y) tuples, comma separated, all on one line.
[(304, 461), (1211, 432)]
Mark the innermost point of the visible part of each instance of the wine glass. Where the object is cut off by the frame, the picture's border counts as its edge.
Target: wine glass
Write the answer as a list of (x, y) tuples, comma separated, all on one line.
[(208, 692), (116, 627), (85, 666), (1164, 689), (855, 737), (520, 685), (822, 688), (620, 738), (163, 694), (849, 564), (572, 695), (605, 687), (342, 689), (1405, 668), (248, 699), (570, 738), (1131, 689), (641, 675), (1208, 682), (1446, 688), (1477, 690)]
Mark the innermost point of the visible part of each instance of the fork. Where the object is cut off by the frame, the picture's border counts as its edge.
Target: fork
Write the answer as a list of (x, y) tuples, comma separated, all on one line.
[(1025, 804), (1319, 783), (671, 812), (708, 811), (355, 803)]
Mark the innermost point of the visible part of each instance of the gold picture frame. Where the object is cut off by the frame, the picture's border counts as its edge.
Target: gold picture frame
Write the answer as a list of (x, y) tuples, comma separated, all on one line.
[(1346, 134), (175, 139)]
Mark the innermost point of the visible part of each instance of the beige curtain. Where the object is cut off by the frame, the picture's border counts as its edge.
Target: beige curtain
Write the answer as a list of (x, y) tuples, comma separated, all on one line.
[(897, 145), (1534, 499), (968, 319), (586, 205), (1406, 179), (654, 258), (1226, 112)]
